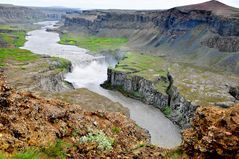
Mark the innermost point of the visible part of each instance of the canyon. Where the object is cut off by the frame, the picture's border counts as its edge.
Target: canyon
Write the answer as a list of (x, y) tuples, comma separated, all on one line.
[(203, 37), (168, 70), (210, 37)]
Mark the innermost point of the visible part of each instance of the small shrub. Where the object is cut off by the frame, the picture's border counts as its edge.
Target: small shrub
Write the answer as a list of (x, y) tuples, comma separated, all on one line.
[(56, 150), (136, 94), (116, 129), (167, 111), (75, 133), (26, 155), (29, 154), (177, 154), (104, 142), (139, 145)]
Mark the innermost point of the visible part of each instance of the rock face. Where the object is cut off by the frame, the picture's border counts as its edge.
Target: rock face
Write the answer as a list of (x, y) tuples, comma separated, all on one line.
[(214, 133), (234, 91), (175, 107), (49, 76), (16, 14), (56, 82), (202, 34), (177, 20), (224, 44)]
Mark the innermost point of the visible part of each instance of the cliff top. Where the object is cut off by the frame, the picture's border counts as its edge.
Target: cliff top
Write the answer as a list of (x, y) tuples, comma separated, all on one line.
[(29, 121), (216, 7)]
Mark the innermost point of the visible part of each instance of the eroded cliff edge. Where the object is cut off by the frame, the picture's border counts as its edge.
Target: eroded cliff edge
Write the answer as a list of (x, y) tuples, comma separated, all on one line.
[(143, 77), (171, 103)]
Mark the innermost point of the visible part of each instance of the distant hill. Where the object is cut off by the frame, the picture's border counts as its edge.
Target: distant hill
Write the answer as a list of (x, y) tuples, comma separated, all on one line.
[(216, 7)]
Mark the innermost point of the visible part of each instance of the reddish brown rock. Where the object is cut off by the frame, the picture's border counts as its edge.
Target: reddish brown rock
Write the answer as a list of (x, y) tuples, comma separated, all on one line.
[(215, 133)]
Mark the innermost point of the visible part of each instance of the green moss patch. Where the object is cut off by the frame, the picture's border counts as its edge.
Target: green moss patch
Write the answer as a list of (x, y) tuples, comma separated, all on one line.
[(8, 27), (167, 111), (16, 54), (56, 150), (93, 43), (11, 36), (60, 64), (146, 66)]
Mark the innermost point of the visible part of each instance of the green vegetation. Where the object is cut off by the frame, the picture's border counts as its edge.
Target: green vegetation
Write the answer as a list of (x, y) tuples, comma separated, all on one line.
[(30, 154), (146, 66), (167, 111), (116, 129), (56, 150), (162, 86), (12, 38), (8, 27), (175, 154), (93, 43), (139, 145), (16, 54), (199, 88), (104, 142), (136, 94), (60, 64)]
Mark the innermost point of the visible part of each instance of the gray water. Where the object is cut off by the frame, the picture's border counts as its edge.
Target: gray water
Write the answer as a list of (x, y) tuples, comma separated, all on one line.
[(90, 71)]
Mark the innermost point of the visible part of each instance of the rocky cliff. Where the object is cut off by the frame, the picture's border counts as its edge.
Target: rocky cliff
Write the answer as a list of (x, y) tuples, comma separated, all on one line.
[(17, 14), (196, 34), (171, 103)]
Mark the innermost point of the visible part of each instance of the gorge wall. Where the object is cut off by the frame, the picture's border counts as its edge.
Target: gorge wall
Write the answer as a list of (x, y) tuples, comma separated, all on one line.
[(206, 34), (170, 102), (19, 14)]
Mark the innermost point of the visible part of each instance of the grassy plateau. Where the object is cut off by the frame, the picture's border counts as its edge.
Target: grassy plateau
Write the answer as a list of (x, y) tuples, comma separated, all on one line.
[(11, 38), (16, 54), (147, 66), (93, 43)]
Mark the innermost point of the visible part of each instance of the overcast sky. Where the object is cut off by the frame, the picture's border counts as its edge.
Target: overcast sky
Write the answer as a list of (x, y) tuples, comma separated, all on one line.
[(113, 4)]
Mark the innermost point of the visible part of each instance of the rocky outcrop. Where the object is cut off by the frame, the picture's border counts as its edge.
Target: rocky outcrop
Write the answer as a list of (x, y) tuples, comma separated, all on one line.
[(224, 44), (44, 74), (175, 107), (234, 91), (96, 20), (55, 82), (214, 133)]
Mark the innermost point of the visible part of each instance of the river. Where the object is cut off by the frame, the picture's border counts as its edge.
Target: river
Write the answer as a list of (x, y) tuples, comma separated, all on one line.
[(90, 71)]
